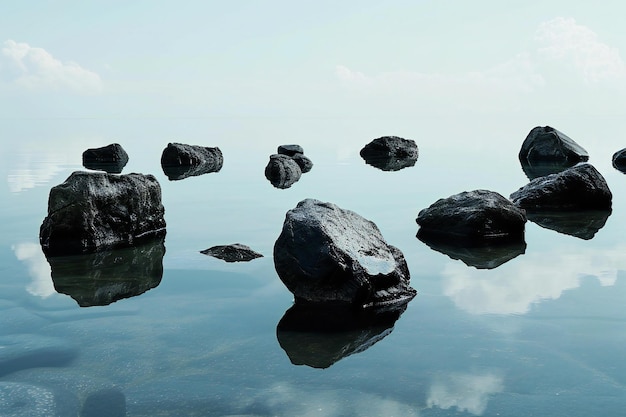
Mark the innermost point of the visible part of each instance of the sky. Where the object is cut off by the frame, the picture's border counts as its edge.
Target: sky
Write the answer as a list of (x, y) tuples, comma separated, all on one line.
[(101, 59)]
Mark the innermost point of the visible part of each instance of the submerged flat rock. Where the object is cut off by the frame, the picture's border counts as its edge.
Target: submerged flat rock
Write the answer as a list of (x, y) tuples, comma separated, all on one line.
[(232, 253)]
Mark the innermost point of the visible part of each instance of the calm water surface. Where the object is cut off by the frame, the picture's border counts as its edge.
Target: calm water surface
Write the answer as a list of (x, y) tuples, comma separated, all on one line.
[(543, 334)]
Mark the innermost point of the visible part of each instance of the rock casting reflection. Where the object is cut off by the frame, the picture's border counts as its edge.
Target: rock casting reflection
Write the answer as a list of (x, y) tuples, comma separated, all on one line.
[(581, 224), (104, 277), (319, 335)]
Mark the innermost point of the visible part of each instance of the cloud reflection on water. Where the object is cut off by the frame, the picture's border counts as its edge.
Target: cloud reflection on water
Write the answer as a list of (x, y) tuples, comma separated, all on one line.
[(533, 278), (466, 392), (38, 268)]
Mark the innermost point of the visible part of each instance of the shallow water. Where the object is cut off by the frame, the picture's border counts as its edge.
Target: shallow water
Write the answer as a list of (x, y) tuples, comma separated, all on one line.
[(541, 334)]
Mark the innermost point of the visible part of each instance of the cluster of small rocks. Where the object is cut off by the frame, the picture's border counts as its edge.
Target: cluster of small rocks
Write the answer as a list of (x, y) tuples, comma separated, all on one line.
[(287, 166)]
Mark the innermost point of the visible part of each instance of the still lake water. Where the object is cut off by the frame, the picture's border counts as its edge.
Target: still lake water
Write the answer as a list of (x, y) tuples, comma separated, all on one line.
[(543, 334)]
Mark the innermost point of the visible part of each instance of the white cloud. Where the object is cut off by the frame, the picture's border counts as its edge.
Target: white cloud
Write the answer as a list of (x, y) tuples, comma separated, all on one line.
[(38, 268), (562, 39), (36, 69), (466, 392), (513, 288)]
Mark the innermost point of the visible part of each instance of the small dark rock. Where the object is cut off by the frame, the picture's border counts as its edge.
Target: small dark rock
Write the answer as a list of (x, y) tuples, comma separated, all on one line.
[(619, 160), (111, 158), (474, 216), (581, 187), (180, 161), (319, 336), (303, 162), (92, 211), (290, 150), (282, 171), (232, 253), (99, 279), (390, 153), (325, 254), (548, 144)]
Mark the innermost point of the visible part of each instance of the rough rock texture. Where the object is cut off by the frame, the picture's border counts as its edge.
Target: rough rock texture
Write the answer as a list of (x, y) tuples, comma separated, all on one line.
[(111, 158), (474, 216), (578, 188), (282, 171), (319, 336), (303, 162), (101, 278), (580, 224), (548, 144), (290, 150), (486, 256), (180, 161), (390, 153), (327, 254), (93, 211), (619, 160), (232, 253)]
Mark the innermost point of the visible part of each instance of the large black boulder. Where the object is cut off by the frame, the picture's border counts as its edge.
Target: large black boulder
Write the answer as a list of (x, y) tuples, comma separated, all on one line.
[(326, 254), (546, 144), (93, 211), (180, 161), (111, 158), (475, 217), (581, 187), (101, 278), (282, 171)]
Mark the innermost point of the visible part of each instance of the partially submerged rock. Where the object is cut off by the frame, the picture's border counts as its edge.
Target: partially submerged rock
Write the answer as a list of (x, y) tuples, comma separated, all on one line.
[(326, 254), (180, 161), (232, 253), (619, 160), (548, 144), (390, 153), (99, 279), (473, 216), (94, 211), (111, 158), (319, 336), (282, 171), (581, 187)]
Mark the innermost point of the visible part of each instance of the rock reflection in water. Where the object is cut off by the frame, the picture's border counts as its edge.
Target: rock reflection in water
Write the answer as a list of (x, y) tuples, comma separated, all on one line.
[(480, 256), (390, 163), (581, 224), (320, 335), (102, 278), (541, 169)]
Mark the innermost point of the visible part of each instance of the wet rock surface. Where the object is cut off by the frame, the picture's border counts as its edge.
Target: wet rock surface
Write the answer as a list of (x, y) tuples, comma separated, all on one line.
[(548, 144), (473, 217), (101, 278), (232, 253), (180, 161), (619, 160), (91, 212), (319, 336), (390, 153), (326, 254), (282, 171), (581, 187), (111, 158)]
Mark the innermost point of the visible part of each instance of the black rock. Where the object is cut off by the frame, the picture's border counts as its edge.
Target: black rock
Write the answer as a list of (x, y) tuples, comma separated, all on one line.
[(390, 153), (101, 278), (282, 171), (180, 161), (92, 211), (619, 160), (580, 224), (325, 254), (581, 187), (548, 144), (474, 217), (303, 162), (479, 256), (319, 336), (290, 150), (232, 253), (536, 169), (111, 158)]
